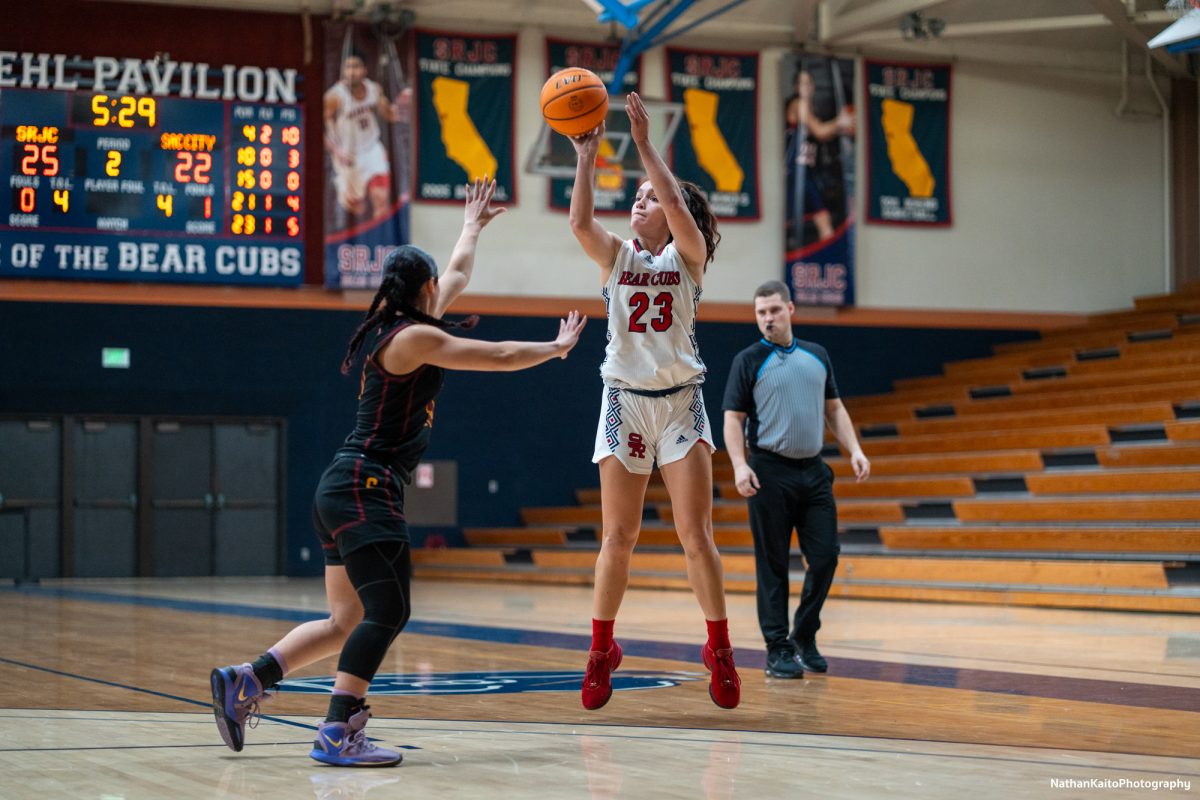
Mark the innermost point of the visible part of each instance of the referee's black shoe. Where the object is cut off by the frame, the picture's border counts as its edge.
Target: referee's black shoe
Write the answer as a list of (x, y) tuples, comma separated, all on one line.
[(783, 662), (810, 658)]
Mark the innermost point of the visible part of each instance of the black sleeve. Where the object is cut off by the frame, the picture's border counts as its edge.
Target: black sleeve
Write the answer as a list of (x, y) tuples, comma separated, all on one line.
[(739, 390), (831, 390)]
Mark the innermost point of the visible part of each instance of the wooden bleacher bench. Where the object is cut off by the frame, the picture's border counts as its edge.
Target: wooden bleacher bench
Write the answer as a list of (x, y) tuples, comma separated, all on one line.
[(1063, 471)]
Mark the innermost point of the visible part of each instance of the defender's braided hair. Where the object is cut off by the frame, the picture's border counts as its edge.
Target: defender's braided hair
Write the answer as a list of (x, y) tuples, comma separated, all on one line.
[(405, 272)]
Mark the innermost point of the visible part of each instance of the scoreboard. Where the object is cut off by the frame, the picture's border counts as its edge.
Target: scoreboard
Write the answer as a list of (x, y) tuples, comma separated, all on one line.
[(110, 185)]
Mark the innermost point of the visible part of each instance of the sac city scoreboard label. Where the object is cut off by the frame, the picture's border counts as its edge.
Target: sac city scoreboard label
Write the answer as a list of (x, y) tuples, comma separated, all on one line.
[(150, 170)]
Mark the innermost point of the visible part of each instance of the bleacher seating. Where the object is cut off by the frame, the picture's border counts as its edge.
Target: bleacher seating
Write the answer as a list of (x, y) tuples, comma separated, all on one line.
[(1063, 471)]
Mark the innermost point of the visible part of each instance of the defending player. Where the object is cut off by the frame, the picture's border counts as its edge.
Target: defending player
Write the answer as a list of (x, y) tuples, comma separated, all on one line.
[(359, 505)]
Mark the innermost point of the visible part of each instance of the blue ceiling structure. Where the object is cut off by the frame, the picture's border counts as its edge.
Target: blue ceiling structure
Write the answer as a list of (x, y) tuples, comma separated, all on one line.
[(649, 29)]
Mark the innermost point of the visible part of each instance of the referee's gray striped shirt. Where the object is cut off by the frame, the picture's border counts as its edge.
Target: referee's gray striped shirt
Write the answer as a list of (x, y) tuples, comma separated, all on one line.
[(782, 390)]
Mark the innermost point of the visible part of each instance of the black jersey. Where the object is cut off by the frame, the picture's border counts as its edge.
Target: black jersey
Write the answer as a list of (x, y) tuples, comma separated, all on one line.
[(395, 412)]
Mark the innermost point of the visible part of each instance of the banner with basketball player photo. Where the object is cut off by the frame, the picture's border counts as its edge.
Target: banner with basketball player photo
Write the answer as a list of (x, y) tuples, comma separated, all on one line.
[(614, 191), (718, 147), (466, 88), (819, 221), (908, 143), (367, 109)]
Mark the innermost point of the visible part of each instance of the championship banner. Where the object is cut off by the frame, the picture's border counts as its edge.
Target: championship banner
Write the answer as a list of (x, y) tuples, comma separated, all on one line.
[(718, 148), (908, 143), (466, 86), (367, 109), (614, 191), (819, 227)]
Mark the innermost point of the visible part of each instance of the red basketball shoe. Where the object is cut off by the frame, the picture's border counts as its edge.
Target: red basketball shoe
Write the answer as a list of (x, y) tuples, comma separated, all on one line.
[(725, 689), (597, 681)]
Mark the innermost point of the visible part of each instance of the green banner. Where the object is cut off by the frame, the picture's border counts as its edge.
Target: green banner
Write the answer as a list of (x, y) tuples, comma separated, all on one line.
[(466, 87), (614, 191), (716, 145), (908, 143)]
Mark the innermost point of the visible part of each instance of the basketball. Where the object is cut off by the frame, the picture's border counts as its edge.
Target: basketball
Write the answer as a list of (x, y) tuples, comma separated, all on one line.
[(574, 101)]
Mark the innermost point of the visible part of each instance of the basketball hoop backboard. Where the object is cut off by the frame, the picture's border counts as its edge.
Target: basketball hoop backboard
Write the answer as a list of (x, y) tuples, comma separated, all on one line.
[(553, 155)]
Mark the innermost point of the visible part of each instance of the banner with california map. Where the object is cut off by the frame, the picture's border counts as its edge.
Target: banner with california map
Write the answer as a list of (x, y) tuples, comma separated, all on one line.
[(466, 87), (908, 143), (716, 145)]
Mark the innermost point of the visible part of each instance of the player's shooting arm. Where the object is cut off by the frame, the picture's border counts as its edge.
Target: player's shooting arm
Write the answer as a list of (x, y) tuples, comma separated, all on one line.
[(689, 241), (599, 243)]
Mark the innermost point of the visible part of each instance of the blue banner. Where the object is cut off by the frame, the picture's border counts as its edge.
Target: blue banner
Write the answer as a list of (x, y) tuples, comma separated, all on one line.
[(367, 109), (466, 93), (717, 145), (908, 143), (819, 136)]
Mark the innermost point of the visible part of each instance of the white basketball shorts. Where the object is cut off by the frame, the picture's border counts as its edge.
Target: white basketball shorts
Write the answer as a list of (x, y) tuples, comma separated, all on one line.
[(641, 431)]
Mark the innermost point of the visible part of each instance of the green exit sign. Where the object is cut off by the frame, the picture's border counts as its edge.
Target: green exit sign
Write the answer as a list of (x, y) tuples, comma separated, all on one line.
[(114, 357)]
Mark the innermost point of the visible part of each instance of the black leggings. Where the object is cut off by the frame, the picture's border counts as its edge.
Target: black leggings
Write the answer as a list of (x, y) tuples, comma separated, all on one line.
[(380, 572)]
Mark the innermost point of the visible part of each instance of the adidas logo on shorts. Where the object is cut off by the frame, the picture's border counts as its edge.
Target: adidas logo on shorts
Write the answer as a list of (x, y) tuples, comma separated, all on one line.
[(681, 440)]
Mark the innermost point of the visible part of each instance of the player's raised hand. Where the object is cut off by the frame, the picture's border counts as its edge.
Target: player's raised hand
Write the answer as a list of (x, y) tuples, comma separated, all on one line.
[(639, 118), (568, 332), (587, 145), (479, 210)]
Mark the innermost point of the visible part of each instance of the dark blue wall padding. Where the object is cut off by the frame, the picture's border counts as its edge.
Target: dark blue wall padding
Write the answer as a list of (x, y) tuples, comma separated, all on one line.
[(531, 431)]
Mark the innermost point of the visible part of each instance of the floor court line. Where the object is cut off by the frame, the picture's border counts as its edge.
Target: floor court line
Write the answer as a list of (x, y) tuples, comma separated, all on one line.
[(128, 687), (991, 681), (396, 725)]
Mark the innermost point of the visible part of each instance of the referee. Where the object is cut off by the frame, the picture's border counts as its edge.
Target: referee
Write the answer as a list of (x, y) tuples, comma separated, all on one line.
[(781, 393)]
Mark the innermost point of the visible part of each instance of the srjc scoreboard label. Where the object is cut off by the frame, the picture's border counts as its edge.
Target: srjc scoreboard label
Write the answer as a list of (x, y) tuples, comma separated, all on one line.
[(125, 180)]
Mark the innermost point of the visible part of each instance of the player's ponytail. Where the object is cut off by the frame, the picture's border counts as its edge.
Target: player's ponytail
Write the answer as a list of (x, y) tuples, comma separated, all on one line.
[(702, 212), (406, 270)]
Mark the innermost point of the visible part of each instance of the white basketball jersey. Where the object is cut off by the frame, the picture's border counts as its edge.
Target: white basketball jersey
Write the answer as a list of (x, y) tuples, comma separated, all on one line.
[(357, 125), (651, 301)]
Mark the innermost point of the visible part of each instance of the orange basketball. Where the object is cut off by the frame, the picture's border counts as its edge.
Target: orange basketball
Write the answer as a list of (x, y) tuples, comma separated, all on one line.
[(574, 101)]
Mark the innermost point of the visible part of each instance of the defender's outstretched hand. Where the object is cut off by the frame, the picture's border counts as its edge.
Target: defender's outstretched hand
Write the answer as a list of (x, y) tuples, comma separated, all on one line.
[(479, 209), (568, 332)]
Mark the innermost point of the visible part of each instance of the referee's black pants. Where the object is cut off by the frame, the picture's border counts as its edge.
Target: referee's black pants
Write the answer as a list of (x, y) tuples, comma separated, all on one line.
[(793, 494)]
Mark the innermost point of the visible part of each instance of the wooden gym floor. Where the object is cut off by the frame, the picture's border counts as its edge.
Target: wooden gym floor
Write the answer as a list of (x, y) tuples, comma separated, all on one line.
[(104, 694)]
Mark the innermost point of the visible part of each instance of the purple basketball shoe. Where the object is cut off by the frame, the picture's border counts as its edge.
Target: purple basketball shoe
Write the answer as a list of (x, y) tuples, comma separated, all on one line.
[(236, 694), (344, 744)]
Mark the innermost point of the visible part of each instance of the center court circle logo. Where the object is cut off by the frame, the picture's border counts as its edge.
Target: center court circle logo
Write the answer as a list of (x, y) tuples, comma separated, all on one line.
[(491, 682)]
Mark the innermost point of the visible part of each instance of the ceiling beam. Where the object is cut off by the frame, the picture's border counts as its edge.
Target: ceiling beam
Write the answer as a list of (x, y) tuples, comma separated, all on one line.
[(806, 12), (1118, 14), (878, 13), (1001, 55), (1011, 26)]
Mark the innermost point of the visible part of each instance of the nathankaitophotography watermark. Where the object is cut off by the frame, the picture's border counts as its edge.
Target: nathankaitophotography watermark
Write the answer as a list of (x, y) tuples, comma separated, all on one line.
[(1148, 784)]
